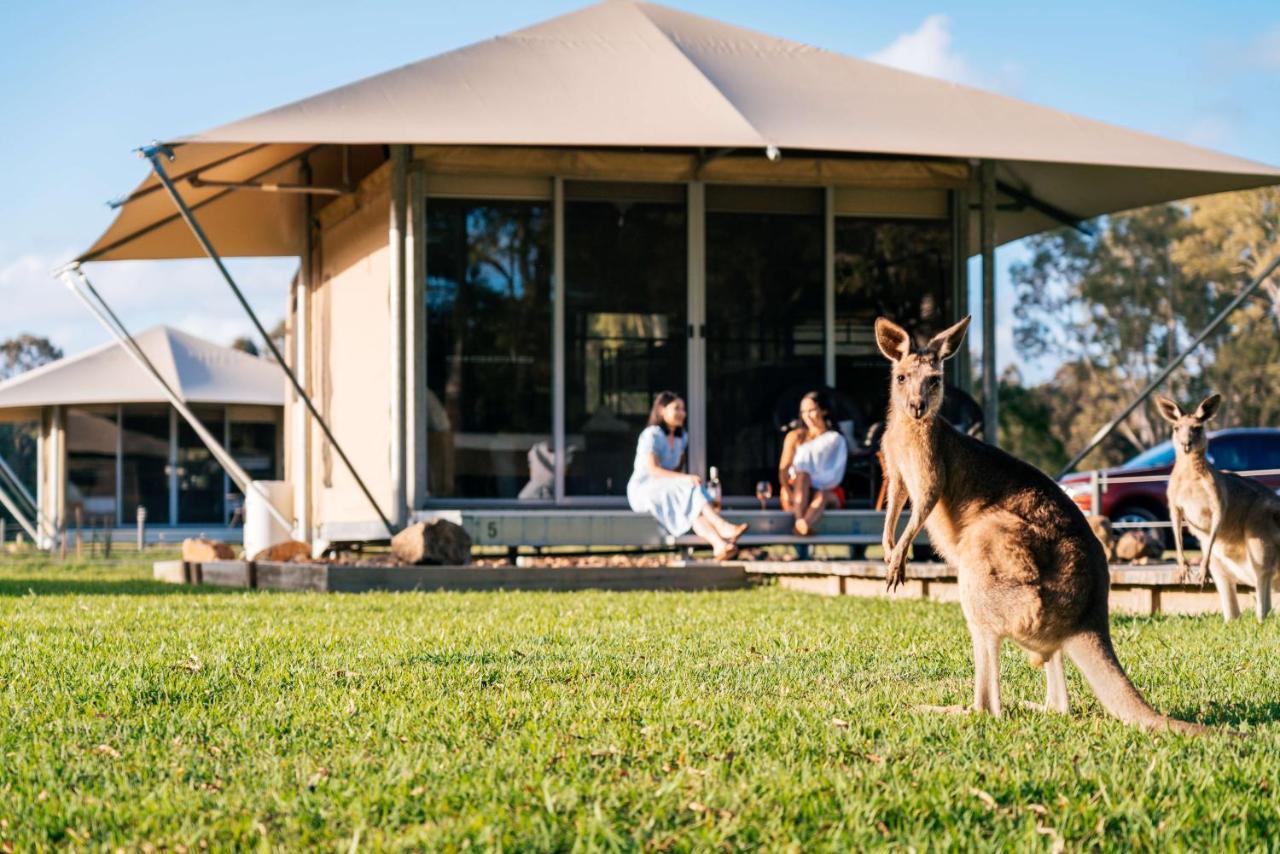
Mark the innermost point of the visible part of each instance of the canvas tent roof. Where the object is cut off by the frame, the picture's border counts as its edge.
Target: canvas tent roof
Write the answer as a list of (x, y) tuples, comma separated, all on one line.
[(630, 75), (199, 371)]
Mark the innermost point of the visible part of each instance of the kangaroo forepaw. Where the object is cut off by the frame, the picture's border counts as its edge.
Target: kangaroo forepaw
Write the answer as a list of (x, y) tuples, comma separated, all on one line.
[(896, 575)]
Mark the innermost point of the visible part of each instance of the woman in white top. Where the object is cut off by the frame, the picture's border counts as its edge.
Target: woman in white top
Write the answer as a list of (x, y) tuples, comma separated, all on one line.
[(812, 466), (677, 500)]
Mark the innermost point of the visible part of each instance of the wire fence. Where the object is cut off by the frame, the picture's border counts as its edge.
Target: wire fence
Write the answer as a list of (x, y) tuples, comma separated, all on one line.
[(1100, 481)]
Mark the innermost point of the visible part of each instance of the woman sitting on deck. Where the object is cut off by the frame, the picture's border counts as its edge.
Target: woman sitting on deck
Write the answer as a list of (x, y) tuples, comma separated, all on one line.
[(812, 467), (677, 500)]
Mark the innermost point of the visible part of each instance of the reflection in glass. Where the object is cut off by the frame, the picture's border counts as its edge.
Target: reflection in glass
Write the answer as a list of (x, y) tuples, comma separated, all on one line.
[(145, 475), (625, 338), (253, 445), (765, 339), (897, 268), (91, 465), (488, 344), (201, 491)]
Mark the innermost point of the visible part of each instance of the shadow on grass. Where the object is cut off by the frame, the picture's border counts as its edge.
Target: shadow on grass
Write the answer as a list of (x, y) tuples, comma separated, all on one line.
[(103, 587), (1231, 714)]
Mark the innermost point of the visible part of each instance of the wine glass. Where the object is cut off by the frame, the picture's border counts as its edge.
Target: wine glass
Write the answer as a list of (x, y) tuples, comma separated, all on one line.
[(764, 491)]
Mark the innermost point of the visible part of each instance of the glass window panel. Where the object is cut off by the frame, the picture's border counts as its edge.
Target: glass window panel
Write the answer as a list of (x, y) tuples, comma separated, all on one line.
[(18, 446), (146, 464), (488, 346), (253, 445), (893, 267), (625, 329), (201, 490), (91, 465), (764, 335)]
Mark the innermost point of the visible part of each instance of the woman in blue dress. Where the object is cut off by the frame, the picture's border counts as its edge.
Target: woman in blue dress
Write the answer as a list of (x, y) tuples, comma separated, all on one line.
[(677, 500)]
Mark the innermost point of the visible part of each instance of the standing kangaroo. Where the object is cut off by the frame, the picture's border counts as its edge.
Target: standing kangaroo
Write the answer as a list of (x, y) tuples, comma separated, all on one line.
[(1238, 515), (1029, 568)]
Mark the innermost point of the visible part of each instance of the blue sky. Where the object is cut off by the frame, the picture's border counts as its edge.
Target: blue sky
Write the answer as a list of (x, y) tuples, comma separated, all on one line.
[(82, 84)]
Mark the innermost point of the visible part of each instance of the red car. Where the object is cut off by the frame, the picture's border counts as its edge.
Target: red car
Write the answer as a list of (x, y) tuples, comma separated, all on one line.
[(1239, 449)]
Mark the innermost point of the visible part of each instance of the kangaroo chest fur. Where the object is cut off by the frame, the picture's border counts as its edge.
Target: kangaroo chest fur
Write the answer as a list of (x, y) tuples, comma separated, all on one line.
[(1195, 490), (912, 450)]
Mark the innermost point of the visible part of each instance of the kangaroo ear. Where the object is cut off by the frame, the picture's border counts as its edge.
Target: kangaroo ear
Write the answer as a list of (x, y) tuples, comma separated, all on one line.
[(1208, 407), (947, 342), (1169, 410), (893, 340)]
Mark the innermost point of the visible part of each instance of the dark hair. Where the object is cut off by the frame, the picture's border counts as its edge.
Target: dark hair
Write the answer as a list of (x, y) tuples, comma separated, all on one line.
[(820, 400), (661, 402)]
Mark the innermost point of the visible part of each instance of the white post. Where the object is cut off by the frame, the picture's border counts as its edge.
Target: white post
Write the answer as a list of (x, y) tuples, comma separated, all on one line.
[(557, 336), (416, 336), (300, 457), (396, 239)]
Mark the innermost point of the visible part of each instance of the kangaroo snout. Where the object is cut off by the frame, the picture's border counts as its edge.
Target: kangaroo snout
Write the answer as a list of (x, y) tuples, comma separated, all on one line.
[(917, 408)]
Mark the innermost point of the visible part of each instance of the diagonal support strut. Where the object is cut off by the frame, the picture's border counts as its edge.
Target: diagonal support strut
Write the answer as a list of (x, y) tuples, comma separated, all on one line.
[(156, 154)]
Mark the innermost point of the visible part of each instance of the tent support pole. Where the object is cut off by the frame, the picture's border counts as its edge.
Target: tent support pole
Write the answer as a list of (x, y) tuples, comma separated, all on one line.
[(79, 283), (155, 155), (1217, 321), (990, 390)]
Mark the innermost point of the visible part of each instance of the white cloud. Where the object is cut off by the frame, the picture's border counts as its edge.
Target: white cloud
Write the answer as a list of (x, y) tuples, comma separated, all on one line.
[(928, 50), (1210, 129), (189, 295)]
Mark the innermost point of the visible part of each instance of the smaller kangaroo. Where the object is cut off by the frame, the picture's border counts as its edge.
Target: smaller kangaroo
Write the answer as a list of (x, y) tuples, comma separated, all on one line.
[(1028, 566), (1236, 519)]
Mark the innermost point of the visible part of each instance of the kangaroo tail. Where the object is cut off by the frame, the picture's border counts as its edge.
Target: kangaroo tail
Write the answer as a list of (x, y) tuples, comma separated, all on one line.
[(1093, 654)]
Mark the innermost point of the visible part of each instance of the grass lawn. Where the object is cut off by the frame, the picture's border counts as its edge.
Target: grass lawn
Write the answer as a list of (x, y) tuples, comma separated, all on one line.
[(138, 714)]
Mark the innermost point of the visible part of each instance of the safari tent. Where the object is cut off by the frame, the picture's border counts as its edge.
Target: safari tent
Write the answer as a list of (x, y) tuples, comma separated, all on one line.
[(108, 442), (508, 248)]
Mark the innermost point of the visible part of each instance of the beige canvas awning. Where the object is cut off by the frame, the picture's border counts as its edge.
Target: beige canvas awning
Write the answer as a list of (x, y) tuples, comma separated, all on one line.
[(626, 77), (198, 370)]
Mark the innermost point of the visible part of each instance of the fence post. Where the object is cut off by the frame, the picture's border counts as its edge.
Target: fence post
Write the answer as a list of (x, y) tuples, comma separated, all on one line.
[(1095, 492), (106, 537), (142, 527), (3, 538)]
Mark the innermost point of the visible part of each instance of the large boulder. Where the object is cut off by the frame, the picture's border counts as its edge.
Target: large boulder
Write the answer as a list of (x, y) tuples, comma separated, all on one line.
[(287, 552), (202, 550), (435, 542)]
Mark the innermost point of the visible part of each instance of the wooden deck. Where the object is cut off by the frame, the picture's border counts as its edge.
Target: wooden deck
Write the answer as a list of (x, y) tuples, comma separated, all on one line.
[(1147, 589)]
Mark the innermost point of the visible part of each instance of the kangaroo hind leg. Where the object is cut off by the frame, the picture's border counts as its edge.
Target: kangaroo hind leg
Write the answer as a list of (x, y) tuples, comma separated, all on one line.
[(986, 670)]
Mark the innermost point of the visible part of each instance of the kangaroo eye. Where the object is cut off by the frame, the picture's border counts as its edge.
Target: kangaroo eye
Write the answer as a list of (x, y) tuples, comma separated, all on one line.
[(902, 378)]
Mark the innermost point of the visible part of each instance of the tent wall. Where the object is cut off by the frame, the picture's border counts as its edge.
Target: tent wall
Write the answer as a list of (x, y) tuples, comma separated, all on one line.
[(351, 348)]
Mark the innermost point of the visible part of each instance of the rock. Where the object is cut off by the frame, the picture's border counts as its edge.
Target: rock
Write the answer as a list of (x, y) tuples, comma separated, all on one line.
[(290, 551), (1138, 546), (435, 542), (1102, 529), (201, 550)]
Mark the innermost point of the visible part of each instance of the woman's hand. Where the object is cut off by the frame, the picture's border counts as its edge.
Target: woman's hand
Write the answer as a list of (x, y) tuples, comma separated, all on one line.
[(694, 479)]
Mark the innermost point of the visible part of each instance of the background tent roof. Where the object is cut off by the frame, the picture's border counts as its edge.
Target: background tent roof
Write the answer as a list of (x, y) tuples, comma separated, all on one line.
[(199, 371), (623, 74)]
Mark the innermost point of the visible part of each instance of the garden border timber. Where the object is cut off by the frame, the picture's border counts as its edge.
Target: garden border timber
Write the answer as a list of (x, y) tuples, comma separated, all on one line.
[(357, 578)]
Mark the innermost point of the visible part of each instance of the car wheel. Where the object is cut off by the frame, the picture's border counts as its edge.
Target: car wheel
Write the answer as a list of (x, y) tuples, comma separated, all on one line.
[(1140, 514)]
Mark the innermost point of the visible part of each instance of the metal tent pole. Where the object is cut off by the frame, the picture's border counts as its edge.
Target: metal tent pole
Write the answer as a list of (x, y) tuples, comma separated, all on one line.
[(155, 154), (15, 512), (987, 241), (1172, 366), (79, 283)]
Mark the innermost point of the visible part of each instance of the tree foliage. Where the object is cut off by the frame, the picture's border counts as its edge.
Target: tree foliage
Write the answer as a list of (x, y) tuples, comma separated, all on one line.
[(1115, 308)]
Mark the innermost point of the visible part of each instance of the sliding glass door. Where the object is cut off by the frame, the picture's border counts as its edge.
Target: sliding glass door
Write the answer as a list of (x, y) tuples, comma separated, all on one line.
[(626, 304), (765, 328)]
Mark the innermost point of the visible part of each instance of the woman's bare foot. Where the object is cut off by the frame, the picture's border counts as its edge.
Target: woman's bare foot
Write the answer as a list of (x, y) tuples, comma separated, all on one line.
[(727, 552), (803, 528), (734, 532)]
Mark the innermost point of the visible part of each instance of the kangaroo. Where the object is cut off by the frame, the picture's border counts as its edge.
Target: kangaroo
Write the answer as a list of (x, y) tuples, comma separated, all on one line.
[(1029, 567), (1239, 516)]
